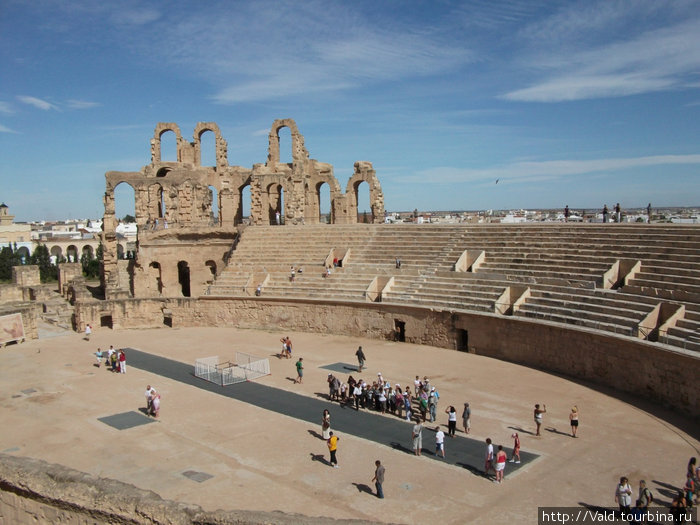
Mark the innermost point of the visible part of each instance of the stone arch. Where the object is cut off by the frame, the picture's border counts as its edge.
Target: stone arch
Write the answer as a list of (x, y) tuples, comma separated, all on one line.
[(245, 202), (183, 277), (220, 144), (72, 253), (56, 251), (365, 173), (214, 206), (163, 127), (299, 152), (23, 253), (211, 265), (275, 198), (155, 273), (88, 250), (156, 203), (120, 251)]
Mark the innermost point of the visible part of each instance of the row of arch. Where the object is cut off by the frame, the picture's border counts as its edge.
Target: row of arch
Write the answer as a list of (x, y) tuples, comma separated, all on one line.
[(156, 271)]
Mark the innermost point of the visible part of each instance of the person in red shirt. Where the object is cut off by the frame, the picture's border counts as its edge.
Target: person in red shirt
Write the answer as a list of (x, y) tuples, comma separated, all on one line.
[(500, 463)]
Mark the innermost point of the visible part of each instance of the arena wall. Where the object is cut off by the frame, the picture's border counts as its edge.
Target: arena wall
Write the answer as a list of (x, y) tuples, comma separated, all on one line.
[(34, 491), (636, 367)]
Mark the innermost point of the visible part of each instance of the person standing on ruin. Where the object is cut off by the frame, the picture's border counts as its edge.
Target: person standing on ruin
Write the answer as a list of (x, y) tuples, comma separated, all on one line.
[(300, 371), (649, 212), (277, 217), (466, 418), (488, 462), (538, 416), (122, 361), (566, 213), (618, 213), (605, 213), (333, 448), (379, 478), (573, 419), (439, 442), (417, 435), (360, 359)]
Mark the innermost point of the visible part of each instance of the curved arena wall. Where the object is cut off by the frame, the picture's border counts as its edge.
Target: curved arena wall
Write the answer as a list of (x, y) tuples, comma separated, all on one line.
[(643, 369)]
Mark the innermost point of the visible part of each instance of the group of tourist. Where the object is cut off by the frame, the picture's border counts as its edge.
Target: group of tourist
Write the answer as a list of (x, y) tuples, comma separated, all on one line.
[(684, 499), (115, 360)]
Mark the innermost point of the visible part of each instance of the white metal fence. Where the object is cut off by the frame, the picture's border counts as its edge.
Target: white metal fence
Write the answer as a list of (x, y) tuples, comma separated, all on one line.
[(246, 368)]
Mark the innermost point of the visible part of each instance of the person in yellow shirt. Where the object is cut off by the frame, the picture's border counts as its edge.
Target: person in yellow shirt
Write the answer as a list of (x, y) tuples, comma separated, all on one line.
[(333, 448)]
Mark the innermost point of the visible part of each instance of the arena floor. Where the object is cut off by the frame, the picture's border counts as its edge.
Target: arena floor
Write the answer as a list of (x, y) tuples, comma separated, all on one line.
[(224, 453)]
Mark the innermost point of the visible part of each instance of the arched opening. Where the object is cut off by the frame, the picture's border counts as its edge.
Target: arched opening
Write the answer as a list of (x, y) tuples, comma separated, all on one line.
[(364, 209), (212, 269), (214, 214), (163, 172), (168, 146), (88, 252), (183, 277), (124, 201), (155, 271), (285, 141), (23, 253), (207, 148), (72, 253), (323, 195), (275, 198), (246, 198), (56, 254), (120, 251)]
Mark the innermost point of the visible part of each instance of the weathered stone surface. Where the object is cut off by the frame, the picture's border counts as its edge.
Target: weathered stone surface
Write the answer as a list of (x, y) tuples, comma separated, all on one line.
[(34, 491)]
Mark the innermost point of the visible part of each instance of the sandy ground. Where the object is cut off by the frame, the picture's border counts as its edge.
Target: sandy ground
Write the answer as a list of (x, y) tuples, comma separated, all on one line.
[(264, 461)]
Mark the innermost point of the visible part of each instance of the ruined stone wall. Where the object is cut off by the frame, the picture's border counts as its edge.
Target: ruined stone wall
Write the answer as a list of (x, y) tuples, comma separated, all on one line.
[(180, 193), (29, 312), (640, 368), (34, 491)]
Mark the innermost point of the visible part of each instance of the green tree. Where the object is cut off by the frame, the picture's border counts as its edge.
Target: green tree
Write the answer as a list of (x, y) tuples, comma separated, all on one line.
[(7, 259), (41, 257), (129, 218)]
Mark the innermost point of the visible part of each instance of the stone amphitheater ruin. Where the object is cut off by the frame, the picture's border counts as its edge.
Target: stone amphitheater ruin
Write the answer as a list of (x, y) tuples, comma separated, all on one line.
[(580, 300)]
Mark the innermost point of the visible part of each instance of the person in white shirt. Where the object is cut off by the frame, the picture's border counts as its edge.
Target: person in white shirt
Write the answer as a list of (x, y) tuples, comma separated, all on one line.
[(439, 442)]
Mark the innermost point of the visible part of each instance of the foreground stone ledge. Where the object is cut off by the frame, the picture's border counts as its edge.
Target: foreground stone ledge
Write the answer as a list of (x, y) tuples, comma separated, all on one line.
[(34, 491)]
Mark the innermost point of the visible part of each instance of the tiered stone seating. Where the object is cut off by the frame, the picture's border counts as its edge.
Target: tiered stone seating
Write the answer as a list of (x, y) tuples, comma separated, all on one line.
[(561, 266)]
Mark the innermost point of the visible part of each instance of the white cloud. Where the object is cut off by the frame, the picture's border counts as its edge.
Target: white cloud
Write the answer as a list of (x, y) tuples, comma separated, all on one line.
[(82, 104), (528, 171), (6, 108), (5, 129), (653, 60), (37, 103)]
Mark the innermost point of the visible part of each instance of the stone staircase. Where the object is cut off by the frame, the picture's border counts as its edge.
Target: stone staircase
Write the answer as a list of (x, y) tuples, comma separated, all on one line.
[(562, 267)]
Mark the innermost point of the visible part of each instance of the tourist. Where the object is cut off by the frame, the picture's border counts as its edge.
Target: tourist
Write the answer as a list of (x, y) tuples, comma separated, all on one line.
[(538, 416), (566, 213), (333, 448), (122, 361), (423, 404), (488, 464), (689, 489), (326, 424), (286, 347), (147, 394), (258, 290), (515, 458), (500, 464), (649, 212), (605, 213), (357, 394), (398, 400), (618, 214), (398, 263), (99, 355), (417, 385), (300, 371), (623, 495), (360, 359), (678, 508), (277, 217), (155, 403), (439, 442), (573, 419), (466, 418), (451, 420), (417, 435), (292, 274), (432, 403), (407, 403), (379, 478), (645, 496), (113, 358), (88, 332)]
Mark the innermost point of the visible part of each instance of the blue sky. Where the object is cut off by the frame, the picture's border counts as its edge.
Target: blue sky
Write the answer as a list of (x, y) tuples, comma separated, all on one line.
[(578, 103)]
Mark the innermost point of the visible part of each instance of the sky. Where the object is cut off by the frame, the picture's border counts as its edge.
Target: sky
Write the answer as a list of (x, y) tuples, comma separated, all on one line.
[(459, 105)]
